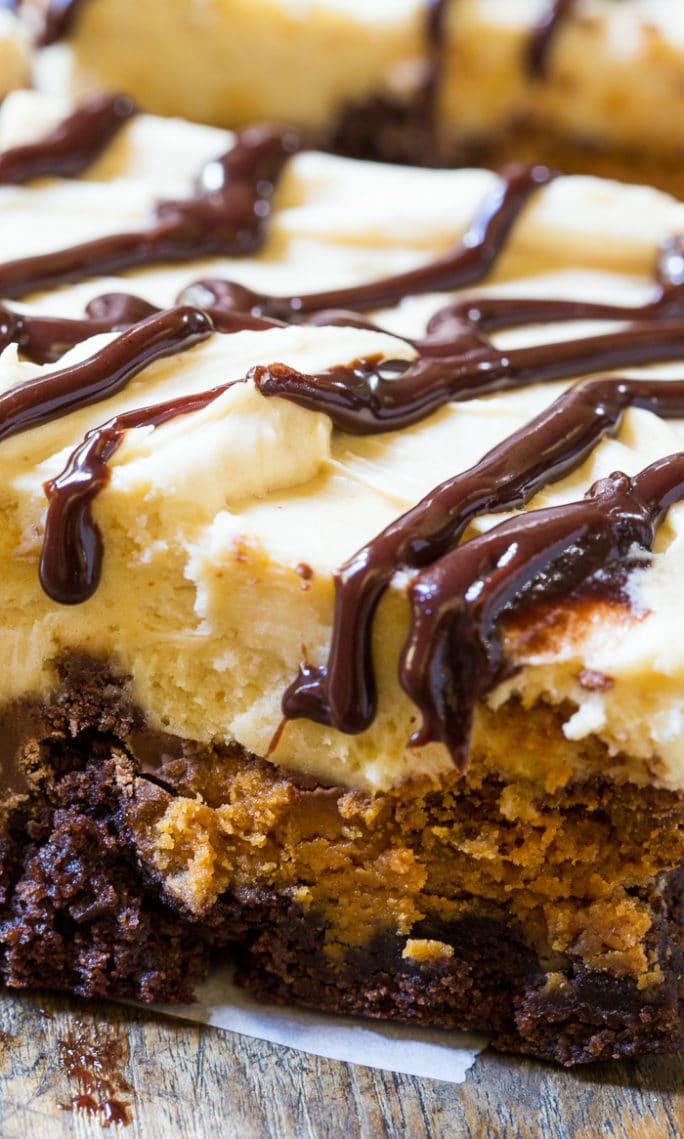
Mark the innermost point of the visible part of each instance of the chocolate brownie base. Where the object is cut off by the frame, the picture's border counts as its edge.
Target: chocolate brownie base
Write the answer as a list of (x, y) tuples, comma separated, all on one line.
[(87, 903)]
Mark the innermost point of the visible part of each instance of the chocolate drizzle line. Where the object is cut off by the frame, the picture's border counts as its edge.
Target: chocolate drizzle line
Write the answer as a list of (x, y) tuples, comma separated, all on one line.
[(370, 395), (72, 146), (453, 654), (47, 398), (372, 403), (226, 216), (544, 35), (72, 553), (60, 18), (469, 262), (234, 307), (456, 361), (44, 339), (551, 445)]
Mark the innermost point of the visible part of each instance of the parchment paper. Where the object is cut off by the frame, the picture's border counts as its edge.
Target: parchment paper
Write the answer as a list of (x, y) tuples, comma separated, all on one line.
[(431, 1053)]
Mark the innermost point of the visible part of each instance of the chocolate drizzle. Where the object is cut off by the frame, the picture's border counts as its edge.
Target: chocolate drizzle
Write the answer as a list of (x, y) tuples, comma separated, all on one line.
[(452, 655), (554, 443), (59, 20), (72, 146), (226, 216), (544, 34), (103, 375), (72, 553), (342, 692), (44, 339), (469, 262), (370, 396)]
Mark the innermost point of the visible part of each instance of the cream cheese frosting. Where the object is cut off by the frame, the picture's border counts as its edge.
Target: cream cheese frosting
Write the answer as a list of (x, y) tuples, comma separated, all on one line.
[(222, 528)]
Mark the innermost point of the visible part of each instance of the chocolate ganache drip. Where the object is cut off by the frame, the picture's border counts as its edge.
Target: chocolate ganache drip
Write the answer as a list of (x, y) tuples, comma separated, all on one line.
[(72, 554), (47, 398), (44, 339), (544, 34), (342, 692), (470, 261), (234, 308), (456, 362), (453, 655), (72, 146), (226, 216), (60, 17), (374, 395)]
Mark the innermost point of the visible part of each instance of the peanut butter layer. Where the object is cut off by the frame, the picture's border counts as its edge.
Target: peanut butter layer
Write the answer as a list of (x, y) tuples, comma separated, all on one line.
[(568, 868)]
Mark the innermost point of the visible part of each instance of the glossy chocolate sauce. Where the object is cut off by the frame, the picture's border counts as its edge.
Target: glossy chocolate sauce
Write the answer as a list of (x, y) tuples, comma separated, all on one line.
[(94, 1059), (44, 339), (226, 216), (551, 445), (72, 146), (342, 692), (233, 307), (371, 395), (470, 261), (452, 655), (544, 34), (72, 553), (60, 17), (46, 398)]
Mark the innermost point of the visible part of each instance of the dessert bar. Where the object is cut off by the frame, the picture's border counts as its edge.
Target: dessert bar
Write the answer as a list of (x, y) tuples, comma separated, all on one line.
[(588, 86)]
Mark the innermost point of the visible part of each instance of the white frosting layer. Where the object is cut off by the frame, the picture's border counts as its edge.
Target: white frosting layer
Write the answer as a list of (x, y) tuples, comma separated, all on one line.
[(209, 520)]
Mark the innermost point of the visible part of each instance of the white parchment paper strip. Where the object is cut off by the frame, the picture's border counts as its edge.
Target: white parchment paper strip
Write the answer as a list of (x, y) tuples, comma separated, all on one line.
[(424, 1052)]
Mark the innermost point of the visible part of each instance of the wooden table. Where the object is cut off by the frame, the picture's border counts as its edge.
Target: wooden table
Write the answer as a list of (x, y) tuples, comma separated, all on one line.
[(174, 1080)]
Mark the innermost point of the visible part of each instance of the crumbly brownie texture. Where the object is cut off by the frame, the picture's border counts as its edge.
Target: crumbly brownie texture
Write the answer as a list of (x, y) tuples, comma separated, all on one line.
[(553, 920)]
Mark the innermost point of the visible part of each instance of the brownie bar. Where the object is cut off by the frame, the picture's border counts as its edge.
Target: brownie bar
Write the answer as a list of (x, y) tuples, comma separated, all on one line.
[(384, 129), (583, 86), (97, 897)]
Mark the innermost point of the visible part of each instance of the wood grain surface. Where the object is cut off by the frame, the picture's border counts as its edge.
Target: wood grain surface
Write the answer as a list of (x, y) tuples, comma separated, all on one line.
[(63, 1064)]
